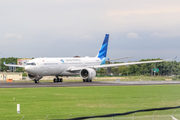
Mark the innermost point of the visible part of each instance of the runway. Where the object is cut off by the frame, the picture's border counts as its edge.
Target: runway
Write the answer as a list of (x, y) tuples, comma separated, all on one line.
[(75, 84)]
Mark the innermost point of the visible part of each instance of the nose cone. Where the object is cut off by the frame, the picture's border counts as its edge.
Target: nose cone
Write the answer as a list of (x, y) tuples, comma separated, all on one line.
[(28, 69)]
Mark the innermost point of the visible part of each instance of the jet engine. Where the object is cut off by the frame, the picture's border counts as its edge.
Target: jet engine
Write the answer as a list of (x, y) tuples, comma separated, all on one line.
[(87, 73), (34, 77)]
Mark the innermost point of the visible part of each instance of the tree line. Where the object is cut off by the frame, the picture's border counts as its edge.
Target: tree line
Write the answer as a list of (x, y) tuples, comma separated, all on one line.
[(13, 60), (165, 68)]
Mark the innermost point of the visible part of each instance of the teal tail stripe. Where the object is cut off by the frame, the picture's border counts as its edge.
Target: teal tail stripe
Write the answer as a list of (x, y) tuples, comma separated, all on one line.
[(103, 50)]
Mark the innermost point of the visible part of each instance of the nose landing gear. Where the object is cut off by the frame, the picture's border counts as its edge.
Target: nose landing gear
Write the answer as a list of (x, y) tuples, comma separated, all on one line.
[(37, 78)]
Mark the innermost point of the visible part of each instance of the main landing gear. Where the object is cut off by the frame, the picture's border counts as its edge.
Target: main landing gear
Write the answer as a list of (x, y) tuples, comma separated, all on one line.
[(87, 80), (57, 79)]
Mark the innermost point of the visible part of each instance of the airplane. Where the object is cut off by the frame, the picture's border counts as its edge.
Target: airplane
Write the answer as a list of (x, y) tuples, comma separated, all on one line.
[(85, 67)]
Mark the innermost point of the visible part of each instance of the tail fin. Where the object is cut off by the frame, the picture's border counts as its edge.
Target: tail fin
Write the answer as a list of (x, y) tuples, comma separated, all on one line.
[(103, 51)]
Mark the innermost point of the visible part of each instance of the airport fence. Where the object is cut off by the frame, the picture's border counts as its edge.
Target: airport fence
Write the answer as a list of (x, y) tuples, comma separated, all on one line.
[(171, 115), (157, 117)]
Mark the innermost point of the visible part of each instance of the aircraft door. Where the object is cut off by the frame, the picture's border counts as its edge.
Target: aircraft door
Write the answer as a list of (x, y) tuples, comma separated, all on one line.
[(41, 63)]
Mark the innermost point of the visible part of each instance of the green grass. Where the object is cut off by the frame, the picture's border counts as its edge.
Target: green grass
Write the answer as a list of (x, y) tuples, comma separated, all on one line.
[(60, 102), (137, 78), (148, 78)]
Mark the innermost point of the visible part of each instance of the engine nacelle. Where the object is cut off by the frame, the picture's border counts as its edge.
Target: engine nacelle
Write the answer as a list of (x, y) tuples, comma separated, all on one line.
[(87, 73), (34, 77)]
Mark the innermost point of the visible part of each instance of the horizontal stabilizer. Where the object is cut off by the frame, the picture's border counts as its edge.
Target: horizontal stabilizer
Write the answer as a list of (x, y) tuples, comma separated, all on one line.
[(118, 59)]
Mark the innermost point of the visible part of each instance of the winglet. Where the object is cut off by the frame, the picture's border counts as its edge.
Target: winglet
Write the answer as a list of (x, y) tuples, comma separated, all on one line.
[(4, 63), (175, 58), (170, 59)]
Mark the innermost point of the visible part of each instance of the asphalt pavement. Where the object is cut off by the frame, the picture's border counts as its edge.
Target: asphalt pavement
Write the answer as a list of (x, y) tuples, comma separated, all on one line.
[(75, 84)]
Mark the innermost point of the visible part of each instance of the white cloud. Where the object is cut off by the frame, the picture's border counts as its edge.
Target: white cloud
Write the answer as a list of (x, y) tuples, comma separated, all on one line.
[(12, 36), (114, 13), (156, 34), (11, 39), (87, 37), (132, 35), (166, 34)]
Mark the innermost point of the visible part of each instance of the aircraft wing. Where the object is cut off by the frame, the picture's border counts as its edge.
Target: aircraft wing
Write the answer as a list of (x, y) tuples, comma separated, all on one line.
[(122, 64), (112, 65), (14, 65)]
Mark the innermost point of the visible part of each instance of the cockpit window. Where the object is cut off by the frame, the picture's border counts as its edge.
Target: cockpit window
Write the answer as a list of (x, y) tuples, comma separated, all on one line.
[(31, 63)]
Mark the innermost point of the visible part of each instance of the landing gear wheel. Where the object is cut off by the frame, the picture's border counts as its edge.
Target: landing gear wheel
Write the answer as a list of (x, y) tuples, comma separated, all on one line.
[(87, 80), (36, 81), (58, 79), (55, 80)]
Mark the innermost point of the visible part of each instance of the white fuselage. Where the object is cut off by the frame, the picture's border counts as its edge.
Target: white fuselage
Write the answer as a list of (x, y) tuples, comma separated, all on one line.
[(59, 66)]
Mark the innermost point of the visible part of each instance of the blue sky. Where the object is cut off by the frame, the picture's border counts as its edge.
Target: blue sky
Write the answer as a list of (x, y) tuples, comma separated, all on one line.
[(64, 28)]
